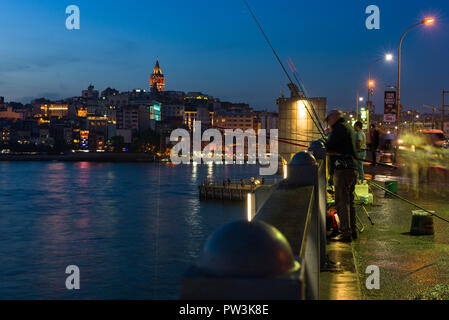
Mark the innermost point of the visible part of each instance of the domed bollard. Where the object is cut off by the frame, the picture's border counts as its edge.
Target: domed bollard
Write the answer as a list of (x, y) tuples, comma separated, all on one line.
[(245, 261), (303, 170)]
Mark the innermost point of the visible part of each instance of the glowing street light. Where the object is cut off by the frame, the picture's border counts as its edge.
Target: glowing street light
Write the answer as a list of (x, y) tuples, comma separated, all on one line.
[(371, 84), (427, 21)]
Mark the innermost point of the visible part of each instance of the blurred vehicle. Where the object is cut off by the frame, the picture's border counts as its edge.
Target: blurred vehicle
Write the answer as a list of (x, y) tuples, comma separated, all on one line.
[(434, 138)]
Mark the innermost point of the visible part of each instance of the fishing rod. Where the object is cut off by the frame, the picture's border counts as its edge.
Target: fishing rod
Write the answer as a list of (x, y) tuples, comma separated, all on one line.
[(283, 140), (282, 65), (407, 201), (302, 87)]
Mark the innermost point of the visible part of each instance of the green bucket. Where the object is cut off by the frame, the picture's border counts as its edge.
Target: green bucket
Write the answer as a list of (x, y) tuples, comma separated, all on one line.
[(391, 186)]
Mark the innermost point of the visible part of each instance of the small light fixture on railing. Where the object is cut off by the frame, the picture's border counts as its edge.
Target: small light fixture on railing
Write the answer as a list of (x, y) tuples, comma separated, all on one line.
[(250, 207)]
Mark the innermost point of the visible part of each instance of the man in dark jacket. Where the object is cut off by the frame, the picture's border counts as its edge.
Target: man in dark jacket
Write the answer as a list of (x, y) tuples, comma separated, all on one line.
[(375, 141), (342, 150)]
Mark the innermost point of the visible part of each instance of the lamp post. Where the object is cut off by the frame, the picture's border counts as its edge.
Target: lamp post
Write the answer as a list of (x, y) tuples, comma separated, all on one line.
[(427, 21), (371, 84), (358, 100)]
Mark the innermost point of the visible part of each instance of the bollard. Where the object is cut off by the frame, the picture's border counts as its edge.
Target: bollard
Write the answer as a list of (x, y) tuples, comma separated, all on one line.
[(303, 170), (245, 261), (422, 223)]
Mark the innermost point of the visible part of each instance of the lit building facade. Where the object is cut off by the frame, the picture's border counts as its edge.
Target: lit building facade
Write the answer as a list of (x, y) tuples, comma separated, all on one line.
[(296, 125), (234, 121), (128, 118), (55, 110), (8, 113), (157, 79)]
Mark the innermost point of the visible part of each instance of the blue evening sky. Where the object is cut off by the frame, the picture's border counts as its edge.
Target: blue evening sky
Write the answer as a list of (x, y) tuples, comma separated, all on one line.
[(213, 46)]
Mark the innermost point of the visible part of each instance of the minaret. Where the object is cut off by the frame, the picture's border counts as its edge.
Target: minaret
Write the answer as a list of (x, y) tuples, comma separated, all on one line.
[(157, 79)]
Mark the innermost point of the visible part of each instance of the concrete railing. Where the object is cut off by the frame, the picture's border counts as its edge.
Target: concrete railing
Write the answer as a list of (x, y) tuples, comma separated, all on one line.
[(277, 255)]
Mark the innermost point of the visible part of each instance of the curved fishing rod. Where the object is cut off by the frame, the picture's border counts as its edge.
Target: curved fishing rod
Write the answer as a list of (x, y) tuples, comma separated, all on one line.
[(282, 65), (407, 201)]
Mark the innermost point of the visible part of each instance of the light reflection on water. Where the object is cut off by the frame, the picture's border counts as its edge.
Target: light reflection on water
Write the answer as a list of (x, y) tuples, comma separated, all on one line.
[(133, 229)]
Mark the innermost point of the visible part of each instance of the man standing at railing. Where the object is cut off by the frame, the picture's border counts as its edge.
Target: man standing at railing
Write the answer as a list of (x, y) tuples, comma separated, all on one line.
[(341, 147)]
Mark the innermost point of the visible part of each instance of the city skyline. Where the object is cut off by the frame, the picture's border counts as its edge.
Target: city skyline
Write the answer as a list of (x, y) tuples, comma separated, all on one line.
[(229, 58)]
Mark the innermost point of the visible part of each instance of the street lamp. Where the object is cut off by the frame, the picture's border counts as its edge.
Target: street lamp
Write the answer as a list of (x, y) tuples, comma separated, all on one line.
[(371, 84), (358, 99), (427, 21)]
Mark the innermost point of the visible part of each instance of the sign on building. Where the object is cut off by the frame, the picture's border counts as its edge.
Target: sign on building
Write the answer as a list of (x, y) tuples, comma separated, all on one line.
[(390, 110)]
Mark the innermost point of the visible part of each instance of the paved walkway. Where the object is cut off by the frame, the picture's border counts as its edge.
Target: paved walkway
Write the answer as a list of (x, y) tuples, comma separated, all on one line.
[(342, 284), (410, 267)]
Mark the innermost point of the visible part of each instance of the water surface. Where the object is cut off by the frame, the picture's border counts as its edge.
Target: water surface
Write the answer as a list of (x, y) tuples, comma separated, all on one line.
[(132, 229)]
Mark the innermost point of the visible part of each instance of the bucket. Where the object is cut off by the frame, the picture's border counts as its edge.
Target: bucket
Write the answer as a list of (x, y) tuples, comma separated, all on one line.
[(391, 186), (422, 224)]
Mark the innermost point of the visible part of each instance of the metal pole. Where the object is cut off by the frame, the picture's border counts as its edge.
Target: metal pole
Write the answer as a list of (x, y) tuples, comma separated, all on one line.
[(358, 97), (399, 72), (368, 103), (433, 119), (442, 113)]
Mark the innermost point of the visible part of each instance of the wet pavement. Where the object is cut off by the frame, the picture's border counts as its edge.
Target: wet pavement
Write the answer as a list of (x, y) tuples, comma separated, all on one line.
[(341, 283), (411, 267)]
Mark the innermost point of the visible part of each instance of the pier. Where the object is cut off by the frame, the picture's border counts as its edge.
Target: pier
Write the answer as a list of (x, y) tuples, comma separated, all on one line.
[(234, 191)]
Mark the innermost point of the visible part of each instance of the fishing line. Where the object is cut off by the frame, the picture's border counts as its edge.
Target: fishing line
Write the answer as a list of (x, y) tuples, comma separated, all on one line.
[(302, 87), (280, 62)]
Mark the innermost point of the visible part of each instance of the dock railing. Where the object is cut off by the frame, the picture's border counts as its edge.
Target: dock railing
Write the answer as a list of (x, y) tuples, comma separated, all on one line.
[(246, 261)]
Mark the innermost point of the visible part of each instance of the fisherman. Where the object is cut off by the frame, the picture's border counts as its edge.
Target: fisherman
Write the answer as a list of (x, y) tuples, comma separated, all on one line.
[(360, 143), (341, 147), (374, 143)]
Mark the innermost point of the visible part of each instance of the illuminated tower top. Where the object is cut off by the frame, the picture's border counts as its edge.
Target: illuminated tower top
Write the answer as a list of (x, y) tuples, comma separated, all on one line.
[(157, 79)]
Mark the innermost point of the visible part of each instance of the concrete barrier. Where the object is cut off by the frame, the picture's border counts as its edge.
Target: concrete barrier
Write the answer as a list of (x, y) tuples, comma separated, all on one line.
[(278, 255)]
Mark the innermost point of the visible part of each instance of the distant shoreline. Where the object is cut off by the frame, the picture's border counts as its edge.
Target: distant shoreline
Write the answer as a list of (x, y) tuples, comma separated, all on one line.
[(81, 157)]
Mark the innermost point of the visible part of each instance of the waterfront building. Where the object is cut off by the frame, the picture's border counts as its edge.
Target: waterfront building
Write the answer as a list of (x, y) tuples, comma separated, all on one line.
[(296, 124), (172, 111), (84, 140), (128, 118), (5, 137), (268, 120), (108, 92), (148, 115), (7, 112), (55, 110), (90, 93), (234, 121)]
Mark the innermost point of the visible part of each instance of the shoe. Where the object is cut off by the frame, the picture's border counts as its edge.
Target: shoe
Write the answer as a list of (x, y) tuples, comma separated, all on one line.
[(345, 238)]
